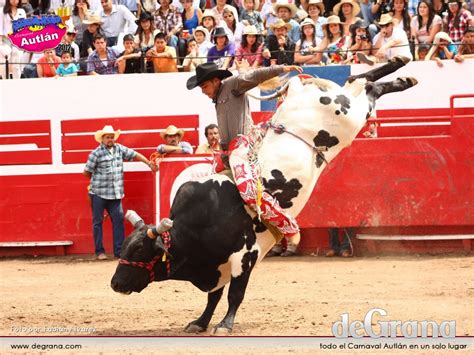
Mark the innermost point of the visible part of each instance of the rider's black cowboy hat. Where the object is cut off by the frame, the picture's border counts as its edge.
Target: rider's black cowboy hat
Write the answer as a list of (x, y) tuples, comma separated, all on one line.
[(205, 72)]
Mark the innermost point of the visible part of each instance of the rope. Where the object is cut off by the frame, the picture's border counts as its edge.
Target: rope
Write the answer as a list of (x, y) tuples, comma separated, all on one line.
[(155, 160)]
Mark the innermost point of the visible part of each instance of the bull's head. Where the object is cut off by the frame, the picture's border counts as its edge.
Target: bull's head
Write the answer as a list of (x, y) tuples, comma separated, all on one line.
[(140, 250)]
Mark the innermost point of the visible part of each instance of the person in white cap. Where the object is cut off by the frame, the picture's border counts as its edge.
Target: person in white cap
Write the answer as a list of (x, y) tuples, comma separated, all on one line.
[(443, 48), (203, 40), (104, 167)]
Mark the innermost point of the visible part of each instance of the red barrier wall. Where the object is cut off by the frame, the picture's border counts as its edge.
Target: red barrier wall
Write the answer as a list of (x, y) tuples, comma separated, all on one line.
[(417, 184)]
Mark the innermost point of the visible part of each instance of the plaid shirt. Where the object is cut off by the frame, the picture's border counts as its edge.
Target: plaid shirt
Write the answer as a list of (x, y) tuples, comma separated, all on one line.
[(94, 63), (106, 168), (170, 21), (457, 33)]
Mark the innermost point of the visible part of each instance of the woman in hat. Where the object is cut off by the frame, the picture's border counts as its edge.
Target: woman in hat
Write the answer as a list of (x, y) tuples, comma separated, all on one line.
[(443, 48), (203, 40), (361, 44), (231, 21), (80, 12), (222, 54), (251, 48), (457, 20), (347, 10), (93, 24), (209, 20), (191, 17), (315, 10), (400, 13), (426, 24), (335, 42), (305, 49), (146, 31)]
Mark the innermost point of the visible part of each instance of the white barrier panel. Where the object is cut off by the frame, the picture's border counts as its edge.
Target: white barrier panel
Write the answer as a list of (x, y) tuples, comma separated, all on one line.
[(162, 94)]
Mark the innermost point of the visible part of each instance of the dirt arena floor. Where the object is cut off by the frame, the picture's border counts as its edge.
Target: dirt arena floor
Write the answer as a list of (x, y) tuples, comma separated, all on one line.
[(300, 296)]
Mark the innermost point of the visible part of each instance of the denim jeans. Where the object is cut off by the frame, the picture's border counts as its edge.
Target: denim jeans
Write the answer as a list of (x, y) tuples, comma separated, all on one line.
[(173, 42), (114, 208), (334, 242), (366, 10)]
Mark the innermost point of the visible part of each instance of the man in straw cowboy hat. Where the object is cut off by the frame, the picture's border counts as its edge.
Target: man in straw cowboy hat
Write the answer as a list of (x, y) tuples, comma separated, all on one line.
[(286, 12), (93, 23), (104, 167), (174, 144), (390, 42), (279, 48)]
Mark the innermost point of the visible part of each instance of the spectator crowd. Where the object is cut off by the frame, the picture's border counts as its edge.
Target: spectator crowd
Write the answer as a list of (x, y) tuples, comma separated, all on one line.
[(151, 36)]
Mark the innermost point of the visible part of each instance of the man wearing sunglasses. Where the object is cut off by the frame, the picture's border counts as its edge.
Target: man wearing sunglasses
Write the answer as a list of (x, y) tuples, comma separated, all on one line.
[(391, 41)]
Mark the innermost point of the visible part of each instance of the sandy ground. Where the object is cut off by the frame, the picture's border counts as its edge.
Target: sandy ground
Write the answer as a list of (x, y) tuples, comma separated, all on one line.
[(299, 296)]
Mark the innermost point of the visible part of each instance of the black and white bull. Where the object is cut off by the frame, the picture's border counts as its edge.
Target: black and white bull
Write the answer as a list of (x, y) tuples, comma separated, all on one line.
[(215, 238)]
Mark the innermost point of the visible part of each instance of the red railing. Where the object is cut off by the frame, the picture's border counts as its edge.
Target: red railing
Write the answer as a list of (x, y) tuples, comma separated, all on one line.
[(451, 102)]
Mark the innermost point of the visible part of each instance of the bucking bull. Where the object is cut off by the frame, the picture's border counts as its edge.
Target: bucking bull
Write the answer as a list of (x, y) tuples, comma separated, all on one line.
[(215, 238)]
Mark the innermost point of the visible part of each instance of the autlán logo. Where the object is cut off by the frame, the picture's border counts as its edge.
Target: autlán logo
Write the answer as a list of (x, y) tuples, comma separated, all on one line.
[(389, 329)]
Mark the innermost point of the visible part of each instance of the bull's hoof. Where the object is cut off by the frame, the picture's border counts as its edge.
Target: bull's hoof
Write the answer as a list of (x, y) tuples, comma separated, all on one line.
[(401, 59), (220, 331), (409, 80), (352, 78), (194, 328)]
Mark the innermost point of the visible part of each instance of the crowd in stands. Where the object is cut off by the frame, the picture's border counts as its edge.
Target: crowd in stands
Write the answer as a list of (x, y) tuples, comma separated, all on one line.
[(149, 36)]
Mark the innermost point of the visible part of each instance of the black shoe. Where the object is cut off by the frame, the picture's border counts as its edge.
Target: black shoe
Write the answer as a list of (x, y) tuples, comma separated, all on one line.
[(272, 253)]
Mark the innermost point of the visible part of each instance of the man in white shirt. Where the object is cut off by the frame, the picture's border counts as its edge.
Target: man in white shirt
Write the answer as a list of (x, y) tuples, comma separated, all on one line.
[(390, 41), (117, 19)]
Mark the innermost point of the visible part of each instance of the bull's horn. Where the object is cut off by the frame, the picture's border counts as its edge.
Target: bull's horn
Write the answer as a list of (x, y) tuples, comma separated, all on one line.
[(134, 218), (164, 225), (276, 94)]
